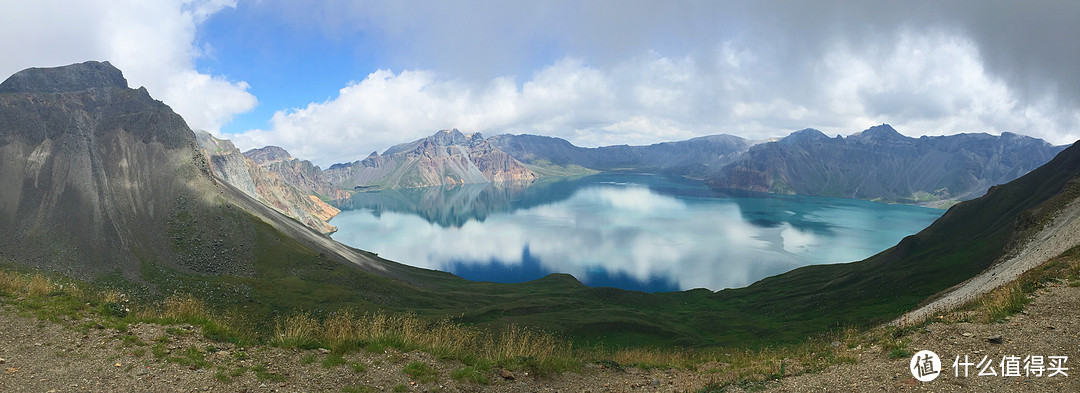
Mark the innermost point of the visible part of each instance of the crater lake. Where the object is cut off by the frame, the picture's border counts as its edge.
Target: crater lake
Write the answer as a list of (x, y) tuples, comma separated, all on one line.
[(632, 231)]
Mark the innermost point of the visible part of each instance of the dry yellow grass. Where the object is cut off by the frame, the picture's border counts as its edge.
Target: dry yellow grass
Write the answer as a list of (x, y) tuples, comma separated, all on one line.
[(11, 284), (184, 307), (656, 357), (345, 331), (111, 296), (515, 341), (1002, 302), (299, 330), (39, 286)]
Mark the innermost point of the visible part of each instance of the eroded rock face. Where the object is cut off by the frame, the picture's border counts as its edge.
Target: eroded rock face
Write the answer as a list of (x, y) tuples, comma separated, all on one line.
[(94, 176), (265, 185), (448, 157), (302, 174)]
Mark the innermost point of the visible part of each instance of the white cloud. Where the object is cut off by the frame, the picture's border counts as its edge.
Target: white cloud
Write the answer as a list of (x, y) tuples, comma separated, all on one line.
[(152, 42), (927, 82)]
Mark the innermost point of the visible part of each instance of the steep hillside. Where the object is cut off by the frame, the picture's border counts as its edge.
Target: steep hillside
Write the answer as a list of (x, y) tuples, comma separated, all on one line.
[(79, 192), (264, 185), (448, 157), (301, 174), (882, 164), (695, 157), (100, 180)]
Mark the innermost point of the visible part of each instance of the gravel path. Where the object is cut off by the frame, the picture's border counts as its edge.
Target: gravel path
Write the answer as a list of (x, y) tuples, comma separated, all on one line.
[(1048, 326)]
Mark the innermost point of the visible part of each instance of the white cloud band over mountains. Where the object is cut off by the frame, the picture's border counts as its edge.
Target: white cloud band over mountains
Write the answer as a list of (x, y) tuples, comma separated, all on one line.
[(922, 83)]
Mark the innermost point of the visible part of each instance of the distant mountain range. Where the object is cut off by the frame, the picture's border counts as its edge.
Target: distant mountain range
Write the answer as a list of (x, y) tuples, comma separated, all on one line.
[(881, 164), (877, 164)]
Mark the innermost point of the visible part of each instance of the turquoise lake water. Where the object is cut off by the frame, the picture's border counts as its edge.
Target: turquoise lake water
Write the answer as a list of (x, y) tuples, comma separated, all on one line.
[(639, 232)]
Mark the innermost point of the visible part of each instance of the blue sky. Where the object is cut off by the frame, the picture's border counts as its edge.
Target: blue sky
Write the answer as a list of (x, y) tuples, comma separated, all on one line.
[(287, 66), (334, 80)]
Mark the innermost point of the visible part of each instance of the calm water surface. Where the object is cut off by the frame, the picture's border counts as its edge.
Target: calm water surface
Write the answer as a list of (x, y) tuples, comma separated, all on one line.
[(630, 231)]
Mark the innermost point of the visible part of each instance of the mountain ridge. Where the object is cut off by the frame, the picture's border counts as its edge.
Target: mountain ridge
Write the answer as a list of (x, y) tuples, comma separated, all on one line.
[(882, 164), (877, 164), (448, 157), (265, 185)]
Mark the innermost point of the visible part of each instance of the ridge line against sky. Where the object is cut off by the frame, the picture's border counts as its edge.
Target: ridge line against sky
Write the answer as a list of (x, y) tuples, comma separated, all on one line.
[(332, 81)]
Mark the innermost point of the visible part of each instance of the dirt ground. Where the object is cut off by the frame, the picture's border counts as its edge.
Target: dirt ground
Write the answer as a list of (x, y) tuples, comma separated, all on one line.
[(43, 356), (1048, 326)]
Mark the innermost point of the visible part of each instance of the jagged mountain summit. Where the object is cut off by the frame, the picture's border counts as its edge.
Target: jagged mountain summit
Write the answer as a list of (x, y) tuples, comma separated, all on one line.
[(882, 164), (301, 174), (447, 157)]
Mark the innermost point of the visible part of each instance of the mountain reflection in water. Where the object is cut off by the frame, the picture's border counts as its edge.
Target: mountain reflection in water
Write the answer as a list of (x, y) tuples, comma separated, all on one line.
[(630, 231)]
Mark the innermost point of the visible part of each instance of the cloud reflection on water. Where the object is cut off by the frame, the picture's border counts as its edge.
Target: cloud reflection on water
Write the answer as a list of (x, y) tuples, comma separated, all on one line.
[(635, 232)]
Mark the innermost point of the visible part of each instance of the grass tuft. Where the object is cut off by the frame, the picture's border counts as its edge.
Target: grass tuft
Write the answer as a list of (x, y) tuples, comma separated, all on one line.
[(11, 284), (421, 372), (471, 374), (39, 286), (333, 360), (1003, 302), (297, 331)]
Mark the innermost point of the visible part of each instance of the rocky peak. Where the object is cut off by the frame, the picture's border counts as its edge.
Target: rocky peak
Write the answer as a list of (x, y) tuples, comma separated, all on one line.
[(804, 135), (75, 77), (91, 90), (880, 133), (475, 139), (267, 155), (448, 137)]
